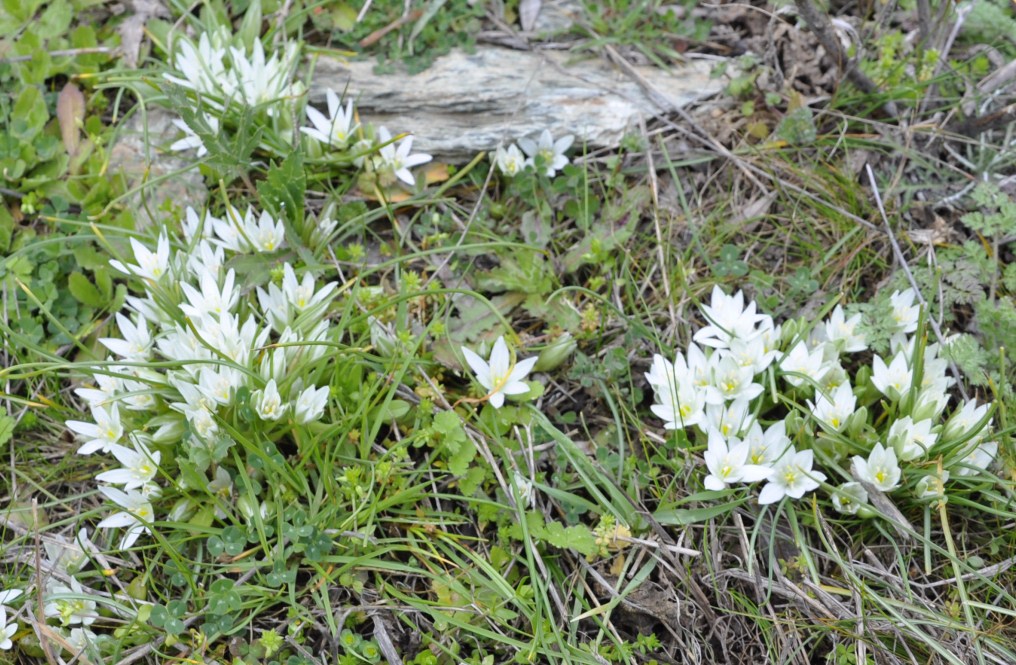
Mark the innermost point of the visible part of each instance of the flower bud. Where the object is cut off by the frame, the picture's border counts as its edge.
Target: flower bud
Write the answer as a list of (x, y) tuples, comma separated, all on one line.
[(555, 353)]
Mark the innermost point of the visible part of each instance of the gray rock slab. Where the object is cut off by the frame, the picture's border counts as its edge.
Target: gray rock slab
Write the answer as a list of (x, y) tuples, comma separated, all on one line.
[(466, 103), (161, 171)]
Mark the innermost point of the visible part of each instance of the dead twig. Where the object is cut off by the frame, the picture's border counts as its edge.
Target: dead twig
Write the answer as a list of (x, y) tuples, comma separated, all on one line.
[(377, 35), (820, 24)]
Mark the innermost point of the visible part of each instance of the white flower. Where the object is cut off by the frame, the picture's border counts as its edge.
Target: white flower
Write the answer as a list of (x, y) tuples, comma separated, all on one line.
[(201, 419), (729, 319), (139, 466), (221, 488), (700, 368), (108, 388), (67, 556), (930, 403), (336, 128), (218, 383), (911, 440), (842, 332), (835, 411), (100, 435), (800, 361), (206, 258), (792, 476), (269, 235), (302, 294), (765, 449), (70, 611), (905, 313), (977, 460), (190, 139), (260, 233), (932, 486), (849, 497), (7, 630), (202, 67), (256, 81), (198, 228), (310, 405), (881, 469), (525, 489), (211, 299), (81, 639), (734, 381), (963, 421), (679, 404), (728, 465), (136, 345), (268, 403), (499, 376), (398, 159), (136, 514), (150, 265), (510, 161), (892, 380), (547, 151), (729, 420), (752, 354)]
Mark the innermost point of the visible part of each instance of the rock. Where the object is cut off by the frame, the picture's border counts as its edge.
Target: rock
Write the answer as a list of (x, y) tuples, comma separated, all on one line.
[(138, 165), (467, 103)]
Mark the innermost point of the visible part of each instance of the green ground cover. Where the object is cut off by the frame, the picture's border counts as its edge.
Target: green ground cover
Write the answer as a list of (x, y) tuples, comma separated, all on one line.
[(736, 392)]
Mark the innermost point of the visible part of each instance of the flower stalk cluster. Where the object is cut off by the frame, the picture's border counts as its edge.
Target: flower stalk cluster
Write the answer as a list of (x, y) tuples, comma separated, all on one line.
[(225, 78), (194, 351), (892, 419)]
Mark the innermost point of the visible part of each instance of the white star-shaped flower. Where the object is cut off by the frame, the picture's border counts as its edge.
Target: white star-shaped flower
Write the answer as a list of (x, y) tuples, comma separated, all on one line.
[(499, 376)]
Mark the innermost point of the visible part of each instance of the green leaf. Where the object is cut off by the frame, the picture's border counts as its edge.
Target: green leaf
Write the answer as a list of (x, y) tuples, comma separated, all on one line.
[(6, 427), (84, 291), (578, 537), (729, 263), (6, 229), (21, 9), (682, 516), (282, 191), (458, 462), (29, 114)]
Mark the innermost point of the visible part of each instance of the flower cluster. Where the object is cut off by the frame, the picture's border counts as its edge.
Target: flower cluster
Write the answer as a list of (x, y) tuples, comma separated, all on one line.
[(69, 606), (544, 154), (220, 352), (223, 76), (718, 387)]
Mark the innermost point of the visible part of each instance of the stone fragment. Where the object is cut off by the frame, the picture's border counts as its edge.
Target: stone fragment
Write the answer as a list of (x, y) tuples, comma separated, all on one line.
[(166, 174), (466, 103)]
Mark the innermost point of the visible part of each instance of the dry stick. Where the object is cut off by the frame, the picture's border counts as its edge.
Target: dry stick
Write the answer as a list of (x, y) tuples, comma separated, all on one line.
[(977, 125), (923, 23), (961, 17), (898, 253), (655, 189), (378, 34), (820, 24)]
